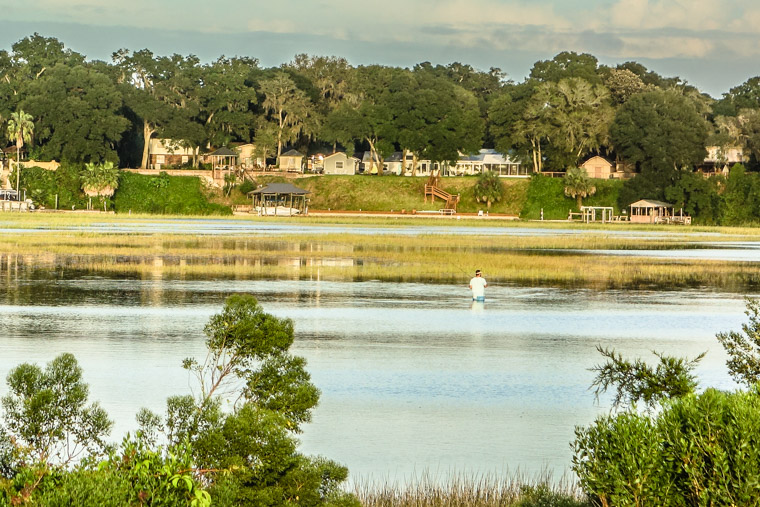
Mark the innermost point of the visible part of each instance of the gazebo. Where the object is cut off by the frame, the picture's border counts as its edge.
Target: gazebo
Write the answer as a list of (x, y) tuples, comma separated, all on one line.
[(649, 211), (279, 199), (221, 159)]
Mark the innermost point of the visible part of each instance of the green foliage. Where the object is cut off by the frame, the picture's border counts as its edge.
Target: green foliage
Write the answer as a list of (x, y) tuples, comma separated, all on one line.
[(578, 184), (744, 349), (549, 194), (20, 128), (659, 130), (567, 64), (711, 445), (252, 448), (741, 197), (163, 194), (77, 109), (697, 195), (42, 186), (101, 179), (700, 450), (230, 180), (135, 475), (618, 460), (46, 413), (543, 496), (637, 381), (488, 188), (246, 186)]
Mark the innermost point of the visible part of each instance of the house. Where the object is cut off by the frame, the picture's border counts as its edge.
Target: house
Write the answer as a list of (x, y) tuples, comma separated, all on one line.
[(291, 161), (487, 160), (248, 158), (484, 160), (720, 159), (168, 152), (600, 167), (340, 163)]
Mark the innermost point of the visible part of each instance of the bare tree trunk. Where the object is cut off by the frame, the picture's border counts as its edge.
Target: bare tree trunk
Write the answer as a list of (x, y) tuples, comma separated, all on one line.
[(147, 133), (414, 163), (536, 168), (279, 136), (18, 171)]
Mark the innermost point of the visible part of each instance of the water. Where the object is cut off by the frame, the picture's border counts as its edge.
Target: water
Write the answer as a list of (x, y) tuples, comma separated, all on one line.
[(413, 376)]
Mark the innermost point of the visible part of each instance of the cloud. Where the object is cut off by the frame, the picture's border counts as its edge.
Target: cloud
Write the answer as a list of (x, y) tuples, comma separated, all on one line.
[(621, 29)]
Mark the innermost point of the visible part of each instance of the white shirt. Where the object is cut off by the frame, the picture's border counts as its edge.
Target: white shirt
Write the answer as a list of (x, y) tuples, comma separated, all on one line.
[(478, 285)]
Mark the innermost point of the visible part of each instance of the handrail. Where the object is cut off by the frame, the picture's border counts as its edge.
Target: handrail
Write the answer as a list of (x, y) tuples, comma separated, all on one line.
[(434, 191)]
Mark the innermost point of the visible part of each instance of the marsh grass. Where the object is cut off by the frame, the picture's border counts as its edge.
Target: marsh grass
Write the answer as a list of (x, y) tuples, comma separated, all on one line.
[(566, 260), (75, 220), (487, 490)]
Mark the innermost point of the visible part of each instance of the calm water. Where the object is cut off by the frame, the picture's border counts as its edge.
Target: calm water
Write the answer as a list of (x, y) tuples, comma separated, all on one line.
[(413, 377)]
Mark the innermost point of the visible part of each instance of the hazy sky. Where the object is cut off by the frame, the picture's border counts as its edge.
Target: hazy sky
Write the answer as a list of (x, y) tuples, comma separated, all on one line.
[(713, 44)]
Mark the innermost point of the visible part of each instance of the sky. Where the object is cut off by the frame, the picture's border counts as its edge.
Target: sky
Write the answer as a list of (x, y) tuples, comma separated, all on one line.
[(712, 44)]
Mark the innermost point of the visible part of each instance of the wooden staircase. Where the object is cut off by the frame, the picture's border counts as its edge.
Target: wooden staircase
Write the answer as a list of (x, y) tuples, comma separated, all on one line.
[(433, 190)]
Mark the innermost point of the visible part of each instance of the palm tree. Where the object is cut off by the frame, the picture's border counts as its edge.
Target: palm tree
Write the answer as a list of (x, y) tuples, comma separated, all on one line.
[(578, 185), (100, 179), (488, 188), (20, 127)]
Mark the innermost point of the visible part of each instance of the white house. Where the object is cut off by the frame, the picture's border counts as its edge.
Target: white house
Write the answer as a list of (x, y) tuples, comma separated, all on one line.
[(291, 161), (721, 158), (340, 163), (487, 160)]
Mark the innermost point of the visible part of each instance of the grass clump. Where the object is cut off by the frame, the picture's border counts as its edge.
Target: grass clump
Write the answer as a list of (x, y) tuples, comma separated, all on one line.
[(484, 491)]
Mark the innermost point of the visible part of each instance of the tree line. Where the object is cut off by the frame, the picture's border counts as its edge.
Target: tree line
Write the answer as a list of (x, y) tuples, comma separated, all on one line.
[(568, 108)]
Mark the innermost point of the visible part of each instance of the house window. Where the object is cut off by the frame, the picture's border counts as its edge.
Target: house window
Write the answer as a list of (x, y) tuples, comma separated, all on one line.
[(160, 159), (339, 165), (185, 159)]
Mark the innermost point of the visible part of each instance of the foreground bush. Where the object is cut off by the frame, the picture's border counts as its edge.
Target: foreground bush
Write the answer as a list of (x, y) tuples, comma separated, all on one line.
[(164, 194), (52, 450), (699, 450)]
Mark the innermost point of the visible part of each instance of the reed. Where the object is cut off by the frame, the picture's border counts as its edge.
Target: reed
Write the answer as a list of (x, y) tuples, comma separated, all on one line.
[(485, 490)]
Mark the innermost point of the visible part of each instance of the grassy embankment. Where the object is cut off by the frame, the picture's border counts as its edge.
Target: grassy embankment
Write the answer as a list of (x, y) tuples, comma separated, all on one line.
[(559, 260), (522, 197), (386, 193)]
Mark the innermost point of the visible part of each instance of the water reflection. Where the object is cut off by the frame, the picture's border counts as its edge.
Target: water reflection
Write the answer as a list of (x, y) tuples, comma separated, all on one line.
[(413, 376)]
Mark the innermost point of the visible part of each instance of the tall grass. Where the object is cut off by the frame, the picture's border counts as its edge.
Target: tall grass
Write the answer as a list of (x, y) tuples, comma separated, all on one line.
[(488, 490), (573, 260)]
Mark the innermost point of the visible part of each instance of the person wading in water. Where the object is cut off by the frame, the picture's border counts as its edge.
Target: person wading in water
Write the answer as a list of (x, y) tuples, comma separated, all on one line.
[(478, 286)]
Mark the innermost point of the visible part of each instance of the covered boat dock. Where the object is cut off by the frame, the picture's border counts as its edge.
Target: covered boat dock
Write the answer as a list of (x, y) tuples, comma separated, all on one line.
[(279, 199)]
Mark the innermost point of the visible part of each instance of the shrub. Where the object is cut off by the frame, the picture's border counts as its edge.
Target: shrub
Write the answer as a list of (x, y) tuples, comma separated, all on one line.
[(700, 450), (549, 194), (42, 186), (247, 186), (163, 194), (488, 188)]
